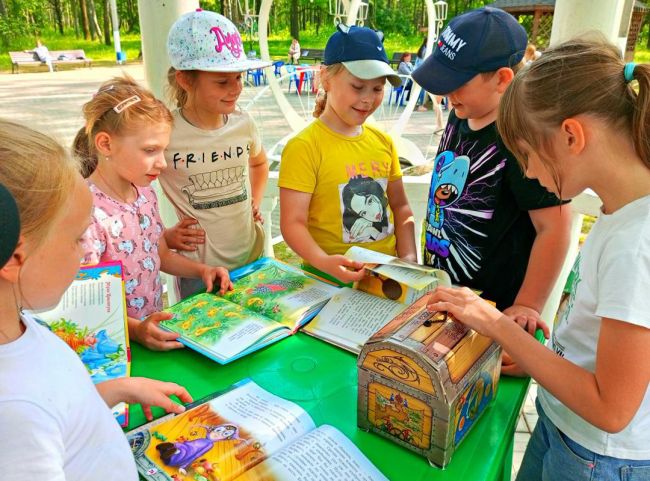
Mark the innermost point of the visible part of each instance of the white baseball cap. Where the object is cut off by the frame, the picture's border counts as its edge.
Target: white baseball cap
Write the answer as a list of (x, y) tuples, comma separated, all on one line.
[(204, 40)]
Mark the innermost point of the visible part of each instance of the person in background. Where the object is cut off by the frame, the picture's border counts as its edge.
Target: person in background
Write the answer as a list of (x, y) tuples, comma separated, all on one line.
[(294, 51), (43, 54), (405, 68)]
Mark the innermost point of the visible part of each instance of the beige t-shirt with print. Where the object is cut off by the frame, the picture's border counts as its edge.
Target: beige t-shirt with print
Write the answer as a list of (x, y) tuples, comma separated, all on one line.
[(207, 178)]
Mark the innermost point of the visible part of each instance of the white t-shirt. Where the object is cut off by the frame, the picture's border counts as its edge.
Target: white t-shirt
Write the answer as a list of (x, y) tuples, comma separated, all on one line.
[(612, 280), (53, 423), (207, 179)]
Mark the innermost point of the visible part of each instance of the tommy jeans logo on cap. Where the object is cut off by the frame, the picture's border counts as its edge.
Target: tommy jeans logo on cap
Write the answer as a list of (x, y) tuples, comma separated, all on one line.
[(450, 44)]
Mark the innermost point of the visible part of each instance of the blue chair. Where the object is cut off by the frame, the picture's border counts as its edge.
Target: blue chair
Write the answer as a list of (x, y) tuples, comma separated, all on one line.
[(277, 68), (258, 76), (399, 95), (293, 77)]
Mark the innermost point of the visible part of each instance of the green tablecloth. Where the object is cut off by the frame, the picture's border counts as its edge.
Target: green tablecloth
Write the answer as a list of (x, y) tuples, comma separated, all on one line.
[(323, 380)]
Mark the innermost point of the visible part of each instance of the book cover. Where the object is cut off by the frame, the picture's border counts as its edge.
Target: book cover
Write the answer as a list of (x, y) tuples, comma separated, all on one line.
[(91, 318), (246, 434), (270, 300)]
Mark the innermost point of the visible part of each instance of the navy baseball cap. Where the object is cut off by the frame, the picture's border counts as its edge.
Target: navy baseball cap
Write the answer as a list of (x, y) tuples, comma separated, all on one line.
[(361, 51), (9, 225), (482, 40)]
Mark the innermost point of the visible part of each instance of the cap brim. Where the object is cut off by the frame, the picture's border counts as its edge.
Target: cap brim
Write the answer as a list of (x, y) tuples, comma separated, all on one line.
[(9, 225), (240, 66), (439, 79), (370, 69)]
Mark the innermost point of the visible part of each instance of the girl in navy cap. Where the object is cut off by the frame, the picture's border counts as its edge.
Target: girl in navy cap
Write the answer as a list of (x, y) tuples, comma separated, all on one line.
[(340, 180), (575, 120), (55, 423)]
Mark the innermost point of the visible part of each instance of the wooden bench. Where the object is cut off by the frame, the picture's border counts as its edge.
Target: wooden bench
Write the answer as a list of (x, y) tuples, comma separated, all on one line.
[(397, 56), (313, 54), (59, 57)]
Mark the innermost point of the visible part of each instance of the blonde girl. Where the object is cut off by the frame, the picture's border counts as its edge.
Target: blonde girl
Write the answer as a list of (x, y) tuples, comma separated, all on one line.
[(578, 118), (340, 180), (123, 144), (55, 423), (217, 167)]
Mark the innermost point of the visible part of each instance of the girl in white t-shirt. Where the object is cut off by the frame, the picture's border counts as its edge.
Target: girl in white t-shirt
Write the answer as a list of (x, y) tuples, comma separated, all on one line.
[(55, 423), (217, 169), (579, 118)]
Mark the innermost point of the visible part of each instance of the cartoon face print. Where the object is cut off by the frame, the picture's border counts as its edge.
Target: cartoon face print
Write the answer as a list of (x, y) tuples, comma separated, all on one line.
[(138, 302), (147, 245), (116, 227), (448, 182), (147, 264), (365, 210), (131, 284), (145, 222), (223, 432), (368, 207), (126, 246)]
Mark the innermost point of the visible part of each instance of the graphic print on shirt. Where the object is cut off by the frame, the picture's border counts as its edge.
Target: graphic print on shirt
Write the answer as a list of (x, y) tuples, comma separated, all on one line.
[(566, 307), (364, 204), (460, 204), (214, 188)]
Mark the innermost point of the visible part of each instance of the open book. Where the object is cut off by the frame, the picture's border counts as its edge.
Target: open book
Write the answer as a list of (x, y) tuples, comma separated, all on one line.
[(91, 319), (246, 434), (394, 278), (270, 300)]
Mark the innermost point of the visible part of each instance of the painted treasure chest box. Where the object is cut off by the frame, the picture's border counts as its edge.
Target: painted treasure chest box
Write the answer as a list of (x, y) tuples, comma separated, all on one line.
[(424, 380)]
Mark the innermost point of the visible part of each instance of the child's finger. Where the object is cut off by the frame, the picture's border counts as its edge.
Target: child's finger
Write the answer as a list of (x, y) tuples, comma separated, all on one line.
[(180, 392), (146, 409)]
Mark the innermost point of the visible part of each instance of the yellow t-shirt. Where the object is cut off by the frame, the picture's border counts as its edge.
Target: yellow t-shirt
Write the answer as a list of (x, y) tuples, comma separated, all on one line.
[(347, 178)]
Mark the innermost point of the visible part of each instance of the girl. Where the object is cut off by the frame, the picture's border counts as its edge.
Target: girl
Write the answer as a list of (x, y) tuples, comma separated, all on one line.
[(405, 68), (575, 121), (55, 423), (217, 166), (123, 145), (340, 179)]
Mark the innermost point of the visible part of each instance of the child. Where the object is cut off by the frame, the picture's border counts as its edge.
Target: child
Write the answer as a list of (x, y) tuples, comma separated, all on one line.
[(340, 180), (54, 423), (125, 136), (488, 226), (217, 166), (574, 121)]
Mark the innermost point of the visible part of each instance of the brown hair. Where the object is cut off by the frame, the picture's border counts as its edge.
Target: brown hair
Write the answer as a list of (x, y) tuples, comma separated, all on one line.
[(515, 69), (102, 114), (581, 76), (328, 71), (175, 92), (38, 173)]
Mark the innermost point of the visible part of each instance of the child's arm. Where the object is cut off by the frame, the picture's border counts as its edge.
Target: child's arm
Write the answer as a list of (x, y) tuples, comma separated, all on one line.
[(552, 226), (150, 335), (182, 237), (294, 206), (144, 391), (178, 265), (404, 224), (259, 175), (607, 398)]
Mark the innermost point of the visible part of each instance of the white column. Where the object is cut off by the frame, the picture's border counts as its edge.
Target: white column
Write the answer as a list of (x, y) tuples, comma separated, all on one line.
[(576, 17)]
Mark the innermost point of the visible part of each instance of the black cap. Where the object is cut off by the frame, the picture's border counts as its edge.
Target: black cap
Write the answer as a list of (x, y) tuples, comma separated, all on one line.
[(9, 225)]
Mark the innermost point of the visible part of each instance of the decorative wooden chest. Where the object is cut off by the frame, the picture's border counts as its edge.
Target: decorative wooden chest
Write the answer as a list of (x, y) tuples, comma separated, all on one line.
[(425, 380)]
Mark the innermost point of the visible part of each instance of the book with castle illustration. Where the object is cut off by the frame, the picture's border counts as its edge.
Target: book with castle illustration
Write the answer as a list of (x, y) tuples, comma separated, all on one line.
[(270, 300), (353, 315), (91, 319), (246, 434)]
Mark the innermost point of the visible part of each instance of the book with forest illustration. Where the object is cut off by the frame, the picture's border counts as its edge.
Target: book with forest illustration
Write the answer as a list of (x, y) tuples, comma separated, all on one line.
[(246, 434), (91, 319), (270, 300)]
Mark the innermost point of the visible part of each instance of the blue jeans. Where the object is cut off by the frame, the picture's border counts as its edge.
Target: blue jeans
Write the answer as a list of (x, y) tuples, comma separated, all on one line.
[(553, 456)]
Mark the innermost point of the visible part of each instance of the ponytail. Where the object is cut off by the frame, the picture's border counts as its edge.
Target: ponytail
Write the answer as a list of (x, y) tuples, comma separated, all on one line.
[(641, 116), (82, 152)]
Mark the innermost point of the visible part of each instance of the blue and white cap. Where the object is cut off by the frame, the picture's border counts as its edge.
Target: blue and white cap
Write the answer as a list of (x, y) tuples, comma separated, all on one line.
[(361, 51), (482, 40), (204, 40)]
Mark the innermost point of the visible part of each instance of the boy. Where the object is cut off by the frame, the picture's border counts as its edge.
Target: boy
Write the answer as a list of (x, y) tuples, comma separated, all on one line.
[(487, 225)]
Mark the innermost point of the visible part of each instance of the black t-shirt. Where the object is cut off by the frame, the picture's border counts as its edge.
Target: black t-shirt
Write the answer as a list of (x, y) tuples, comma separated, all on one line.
[(477, 227)]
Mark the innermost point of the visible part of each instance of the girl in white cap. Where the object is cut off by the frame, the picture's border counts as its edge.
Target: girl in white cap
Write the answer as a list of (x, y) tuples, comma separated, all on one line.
[(217, 168), (340, 180)]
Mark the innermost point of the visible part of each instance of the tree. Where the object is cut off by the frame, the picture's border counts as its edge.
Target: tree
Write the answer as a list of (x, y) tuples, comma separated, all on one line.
[(84, 19), (294, 20)]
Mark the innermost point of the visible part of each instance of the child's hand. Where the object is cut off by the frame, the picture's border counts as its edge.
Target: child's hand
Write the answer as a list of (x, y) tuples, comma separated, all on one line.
[(527, 318), (149, 392), (150, 335), (510, 368), (257, 215), (184, 238), (467, 307), (344, 269), (211, 274)]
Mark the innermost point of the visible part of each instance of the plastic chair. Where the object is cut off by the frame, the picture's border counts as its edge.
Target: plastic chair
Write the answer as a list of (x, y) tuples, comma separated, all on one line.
[(277, 66), (258, 76), (293, 78), (399, 95)]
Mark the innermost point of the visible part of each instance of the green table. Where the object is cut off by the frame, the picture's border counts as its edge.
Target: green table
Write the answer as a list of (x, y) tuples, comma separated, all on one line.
[(323, 380)]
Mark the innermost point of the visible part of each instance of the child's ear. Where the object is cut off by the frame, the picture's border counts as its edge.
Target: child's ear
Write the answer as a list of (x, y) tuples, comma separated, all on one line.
[(103, 143), (10, 272), (572, 135), (183, 80), (504, 77)]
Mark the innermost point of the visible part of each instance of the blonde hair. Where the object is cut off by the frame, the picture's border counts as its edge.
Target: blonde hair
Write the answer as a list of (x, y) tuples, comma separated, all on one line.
[(38, 173), (175, 92), (328, 71), (581, 76), (110, 111)]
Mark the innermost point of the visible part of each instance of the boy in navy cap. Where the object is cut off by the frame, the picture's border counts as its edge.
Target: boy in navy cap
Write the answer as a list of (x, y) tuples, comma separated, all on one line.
[(487, 225)]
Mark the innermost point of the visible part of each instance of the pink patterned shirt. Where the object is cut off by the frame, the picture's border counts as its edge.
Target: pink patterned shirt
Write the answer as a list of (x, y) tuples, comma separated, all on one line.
[(128, 233)]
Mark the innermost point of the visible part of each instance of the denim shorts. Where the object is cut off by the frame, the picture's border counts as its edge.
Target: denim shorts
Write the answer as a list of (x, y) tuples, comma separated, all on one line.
[(553, 456)]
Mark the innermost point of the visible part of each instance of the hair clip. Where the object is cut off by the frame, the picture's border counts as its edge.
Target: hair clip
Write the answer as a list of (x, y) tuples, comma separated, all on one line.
[(125, 104), (105, 89), (628, 71)]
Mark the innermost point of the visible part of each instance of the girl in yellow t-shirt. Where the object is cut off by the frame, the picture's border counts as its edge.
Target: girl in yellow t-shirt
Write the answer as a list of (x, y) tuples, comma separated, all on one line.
[(340, 180)]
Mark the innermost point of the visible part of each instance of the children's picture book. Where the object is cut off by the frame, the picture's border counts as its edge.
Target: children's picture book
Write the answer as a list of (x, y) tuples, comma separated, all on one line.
[(270, 300), (351, 317), (394, 278), (91, 318), (246, 434)]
